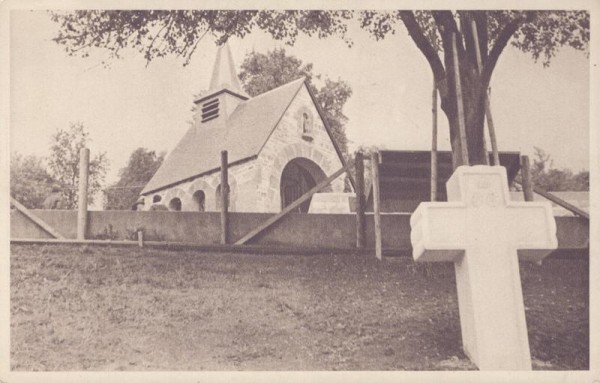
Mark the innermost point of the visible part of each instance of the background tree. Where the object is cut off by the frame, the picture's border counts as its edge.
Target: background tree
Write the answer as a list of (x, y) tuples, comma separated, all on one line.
[(539, 33), (142, 165), (262, 72), (158, 33), (550, 179), (64, 163), (30, 182)]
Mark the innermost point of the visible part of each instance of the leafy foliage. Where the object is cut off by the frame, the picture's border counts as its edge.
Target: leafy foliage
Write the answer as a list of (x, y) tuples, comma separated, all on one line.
[(30, 182), (551, 30), (263, 72), (539, 33), (64, 163), (478, 33), (550, 179), (157, 33), (142, 165)]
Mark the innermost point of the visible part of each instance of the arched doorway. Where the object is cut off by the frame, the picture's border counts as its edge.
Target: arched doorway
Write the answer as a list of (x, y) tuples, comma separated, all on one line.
[(175, 204), (299, 176), (198, 197)]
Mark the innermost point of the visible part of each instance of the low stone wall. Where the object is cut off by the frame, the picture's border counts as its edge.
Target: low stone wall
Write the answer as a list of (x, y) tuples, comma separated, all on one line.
[(305, 230), (63, 221)]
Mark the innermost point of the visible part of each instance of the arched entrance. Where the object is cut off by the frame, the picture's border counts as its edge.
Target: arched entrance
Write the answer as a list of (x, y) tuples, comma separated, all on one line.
[(199, 198), (299, 176), (175, 204)]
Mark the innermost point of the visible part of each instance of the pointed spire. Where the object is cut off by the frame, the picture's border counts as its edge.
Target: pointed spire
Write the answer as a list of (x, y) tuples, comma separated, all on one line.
[(224, 75)]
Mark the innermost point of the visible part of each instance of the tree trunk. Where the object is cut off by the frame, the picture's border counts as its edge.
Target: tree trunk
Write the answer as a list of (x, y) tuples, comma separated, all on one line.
[(474, 109), (474, 85)]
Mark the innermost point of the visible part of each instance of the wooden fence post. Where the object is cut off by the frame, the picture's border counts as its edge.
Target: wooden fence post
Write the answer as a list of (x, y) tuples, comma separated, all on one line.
[(434, 133), (527, 185), (488, 109), (224, 198), (491, 129), (360, 200), (140, 238), (464, 150), (82, 199), (303, 198), (376, 204)]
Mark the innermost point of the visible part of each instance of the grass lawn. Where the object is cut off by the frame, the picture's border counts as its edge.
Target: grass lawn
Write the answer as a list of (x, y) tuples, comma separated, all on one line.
[(102, 308)]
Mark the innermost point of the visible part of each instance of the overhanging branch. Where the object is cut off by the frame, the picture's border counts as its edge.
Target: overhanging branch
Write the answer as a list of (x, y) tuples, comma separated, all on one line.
[(480, 18), (501, 42), (417, 35), (447, 25)]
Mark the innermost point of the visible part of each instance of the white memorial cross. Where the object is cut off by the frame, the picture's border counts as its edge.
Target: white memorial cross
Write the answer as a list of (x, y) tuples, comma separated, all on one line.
[(482, 231)]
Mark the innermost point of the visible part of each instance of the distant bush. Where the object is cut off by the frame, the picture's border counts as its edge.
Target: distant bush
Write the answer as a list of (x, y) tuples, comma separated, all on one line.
[(107, 233)]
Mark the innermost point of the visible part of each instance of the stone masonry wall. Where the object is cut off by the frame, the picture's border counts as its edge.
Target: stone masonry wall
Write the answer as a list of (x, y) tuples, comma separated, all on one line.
[(255, 185), (242, 185), (287, 143)]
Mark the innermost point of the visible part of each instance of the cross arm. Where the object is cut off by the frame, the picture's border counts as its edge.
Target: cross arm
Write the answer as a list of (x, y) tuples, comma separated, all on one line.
[(534, 227), (438, 231)]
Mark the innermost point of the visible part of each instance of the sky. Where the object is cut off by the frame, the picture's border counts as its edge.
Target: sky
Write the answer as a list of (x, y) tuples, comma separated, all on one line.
[(130, 105)]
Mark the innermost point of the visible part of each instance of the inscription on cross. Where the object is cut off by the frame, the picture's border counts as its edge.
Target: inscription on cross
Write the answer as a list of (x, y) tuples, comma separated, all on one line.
[(485, 235)]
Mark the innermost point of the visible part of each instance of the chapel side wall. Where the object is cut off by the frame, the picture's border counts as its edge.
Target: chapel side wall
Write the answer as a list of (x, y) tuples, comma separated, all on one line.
[(242, 185), (286, 143), (244, 199)]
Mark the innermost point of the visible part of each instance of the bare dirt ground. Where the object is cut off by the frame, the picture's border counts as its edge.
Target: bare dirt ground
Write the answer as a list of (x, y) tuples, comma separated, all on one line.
[(98, 308)]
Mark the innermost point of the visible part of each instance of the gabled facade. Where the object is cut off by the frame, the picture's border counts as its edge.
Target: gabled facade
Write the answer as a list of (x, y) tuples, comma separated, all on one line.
[(278, 143)]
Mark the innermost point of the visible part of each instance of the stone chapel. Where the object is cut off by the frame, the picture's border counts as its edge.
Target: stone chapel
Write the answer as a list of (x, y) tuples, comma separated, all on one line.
[(279, 146)]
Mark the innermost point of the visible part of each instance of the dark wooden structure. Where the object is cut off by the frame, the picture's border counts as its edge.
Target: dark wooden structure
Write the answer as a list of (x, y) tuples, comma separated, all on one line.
[(405, 178)]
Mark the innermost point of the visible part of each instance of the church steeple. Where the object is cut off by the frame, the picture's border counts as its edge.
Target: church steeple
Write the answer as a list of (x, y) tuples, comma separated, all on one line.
[(224, 75), (225, 91)]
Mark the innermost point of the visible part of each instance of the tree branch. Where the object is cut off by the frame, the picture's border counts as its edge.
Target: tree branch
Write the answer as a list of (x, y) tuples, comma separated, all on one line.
[(189, 56), (416, 33), (480, 18), (148, 53), (447, 25), (503, 38), (469, 39)]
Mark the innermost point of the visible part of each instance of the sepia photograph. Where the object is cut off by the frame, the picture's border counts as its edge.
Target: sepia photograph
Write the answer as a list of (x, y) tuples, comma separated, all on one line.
[(212, 192)]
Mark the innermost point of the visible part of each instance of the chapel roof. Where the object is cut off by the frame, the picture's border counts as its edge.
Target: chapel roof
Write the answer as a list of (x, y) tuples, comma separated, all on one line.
[(243, 135)]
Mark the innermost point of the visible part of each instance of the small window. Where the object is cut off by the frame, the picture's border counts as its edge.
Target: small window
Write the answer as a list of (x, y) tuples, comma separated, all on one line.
[(138, 205), (305, 123), (156, 198), (175, 204), (210, 110)]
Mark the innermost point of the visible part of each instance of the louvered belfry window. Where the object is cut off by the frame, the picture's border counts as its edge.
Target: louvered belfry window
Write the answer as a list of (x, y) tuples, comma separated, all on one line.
[(210, 110)]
